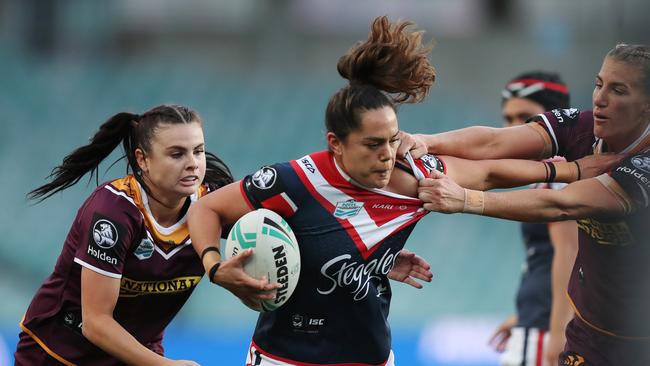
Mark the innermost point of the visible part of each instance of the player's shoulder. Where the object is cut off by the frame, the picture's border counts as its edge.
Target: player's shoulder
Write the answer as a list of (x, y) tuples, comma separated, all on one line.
[(564, 117), (118, 195)]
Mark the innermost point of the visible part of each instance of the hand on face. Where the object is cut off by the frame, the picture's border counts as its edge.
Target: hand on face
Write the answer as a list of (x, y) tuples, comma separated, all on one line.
[(441, 194), (249, 290), (413, 143)]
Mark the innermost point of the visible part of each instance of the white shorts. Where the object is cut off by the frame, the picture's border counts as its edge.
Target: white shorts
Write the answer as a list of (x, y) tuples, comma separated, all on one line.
[(255, 357), (525, 347)]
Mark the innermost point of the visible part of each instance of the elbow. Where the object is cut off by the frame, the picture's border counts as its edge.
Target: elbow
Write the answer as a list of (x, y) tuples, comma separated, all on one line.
[(91, 328)]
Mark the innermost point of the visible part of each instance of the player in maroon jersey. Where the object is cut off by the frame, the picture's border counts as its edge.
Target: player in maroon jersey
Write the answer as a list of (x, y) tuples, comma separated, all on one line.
[(609, 286), (127, 265)]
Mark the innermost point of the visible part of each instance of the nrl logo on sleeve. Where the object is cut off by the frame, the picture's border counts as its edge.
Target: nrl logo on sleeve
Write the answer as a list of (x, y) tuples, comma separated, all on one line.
[(264, 178), (570, 113), (104, 234), (641, 162), (144, 250), (347, 209)]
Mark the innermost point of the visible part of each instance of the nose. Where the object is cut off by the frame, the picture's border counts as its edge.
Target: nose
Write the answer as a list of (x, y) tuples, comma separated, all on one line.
[(386, 152), (600, 98), (193, 162)]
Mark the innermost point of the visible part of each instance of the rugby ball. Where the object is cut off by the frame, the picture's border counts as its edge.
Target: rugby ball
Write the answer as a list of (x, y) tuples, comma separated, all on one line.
[(275, 252)]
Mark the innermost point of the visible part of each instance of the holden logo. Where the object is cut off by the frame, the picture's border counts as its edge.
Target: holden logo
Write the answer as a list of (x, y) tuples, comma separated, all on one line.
[(104, 234), (641, 162)]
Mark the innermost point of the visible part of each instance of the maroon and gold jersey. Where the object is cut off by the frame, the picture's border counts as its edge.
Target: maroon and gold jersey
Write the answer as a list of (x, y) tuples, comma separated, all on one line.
[(610, 283), (115, 234)]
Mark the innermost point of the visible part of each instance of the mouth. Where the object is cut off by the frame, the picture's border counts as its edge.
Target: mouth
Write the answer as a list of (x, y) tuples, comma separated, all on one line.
[(600, 117), (190, 180), (382, 172)]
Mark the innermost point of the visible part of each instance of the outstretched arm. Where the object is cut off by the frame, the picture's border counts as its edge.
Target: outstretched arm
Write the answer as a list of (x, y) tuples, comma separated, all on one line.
[(505, 173), (479, 142), (205, 219), (585, 198)]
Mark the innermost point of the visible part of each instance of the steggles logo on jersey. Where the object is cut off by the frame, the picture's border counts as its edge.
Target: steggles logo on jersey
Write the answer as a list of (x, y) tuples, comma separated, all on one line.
[(264, 178), (347, 209), (642, 162), (104, 234), (355, 276), (144, 250)]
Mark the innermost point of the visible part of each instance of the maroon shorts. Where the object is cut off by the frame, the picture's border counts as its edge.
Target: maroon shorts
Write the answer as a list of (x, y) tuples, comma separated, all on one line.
[(588, 347), (29, 353)]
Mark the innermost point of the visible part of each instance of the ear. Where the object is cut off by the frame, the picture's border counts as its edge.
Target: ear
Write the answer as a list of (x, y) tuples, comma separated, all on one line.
[(141, 159), (334, 143)]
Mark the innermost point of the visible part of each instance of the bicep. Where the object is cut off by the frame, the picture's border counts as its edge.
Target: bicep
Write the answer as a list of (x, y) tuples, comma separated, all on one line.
[(99, 293), (590, 198)]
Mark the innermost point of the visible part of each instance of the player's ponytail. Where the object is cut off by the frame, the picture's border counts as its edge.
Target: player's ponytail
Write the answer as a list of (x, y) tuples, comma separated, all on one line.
[(217, 173), (390, 67), (134, 132), (86, 158)]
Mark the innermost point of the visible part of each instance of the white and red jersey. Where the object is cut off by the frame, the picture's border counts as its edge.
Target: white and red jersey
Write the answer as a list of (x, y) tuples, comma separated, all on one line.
[(349, 237)]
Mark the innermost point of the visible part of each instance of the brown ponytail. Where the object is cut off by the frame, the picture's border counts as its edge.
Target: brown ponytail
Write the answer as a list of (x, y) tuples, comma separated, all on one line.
[(390, 67), (133, 131)]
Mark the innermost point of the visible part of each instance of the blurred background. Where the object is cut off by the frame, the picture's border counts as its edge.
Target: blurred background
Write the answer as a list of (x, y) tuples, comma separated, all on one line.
[(260, 73)]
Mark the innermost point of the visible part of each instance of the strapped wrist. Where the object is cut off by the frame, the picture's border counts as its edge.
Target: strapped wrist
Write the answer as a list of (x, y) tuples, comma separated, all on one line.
[(474, 202), (566, 172), (208, 250), (213, 271)]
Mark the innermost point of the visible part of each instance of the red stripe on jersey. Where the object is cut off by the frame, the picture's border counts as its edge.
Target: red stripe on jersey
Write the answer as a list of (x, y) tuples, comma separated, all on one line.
[(297, 363), (365, 253), (374, 203), (420, 165), (280, 205), (540, 348), (243, 193)]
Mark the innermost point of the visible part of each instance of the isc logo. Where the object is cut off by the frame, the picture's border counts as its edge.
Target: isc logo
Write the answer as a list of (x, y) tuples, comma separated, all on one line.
[(316, 321)]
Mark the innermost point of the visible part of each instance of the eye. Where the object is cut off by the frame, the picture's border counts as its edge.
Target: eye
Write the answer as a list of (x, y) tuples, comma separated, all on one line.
[(619, 91), (395, 141), (199, 151)]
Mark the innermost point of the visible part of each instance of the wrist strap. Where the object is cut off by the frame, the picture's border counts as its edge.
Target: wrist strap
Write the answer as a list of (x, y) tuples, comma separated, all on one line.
[(209, 249), (474, 202), (578, 166), (551, 174), (213, 271)]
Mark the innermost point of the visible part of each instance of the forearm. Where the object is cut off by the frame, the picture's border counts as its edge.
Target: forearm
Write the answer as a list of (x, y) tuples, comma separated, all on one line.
[(480, 142), (528, 205), (508, 173), (205, 231), (564, 238), (107, 334)]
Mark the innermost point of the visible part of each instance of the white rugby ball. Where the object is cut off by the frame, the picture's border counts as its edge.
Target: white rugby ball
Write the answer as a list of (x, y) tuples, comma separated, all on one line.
[(275, 252)]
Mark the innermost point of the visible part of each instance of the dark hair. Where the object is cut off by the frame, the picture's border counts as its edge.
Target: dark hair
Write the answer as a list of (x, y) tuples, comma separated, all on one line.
[(389, 68), (133, 131), (634, 54), (542, 87)]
